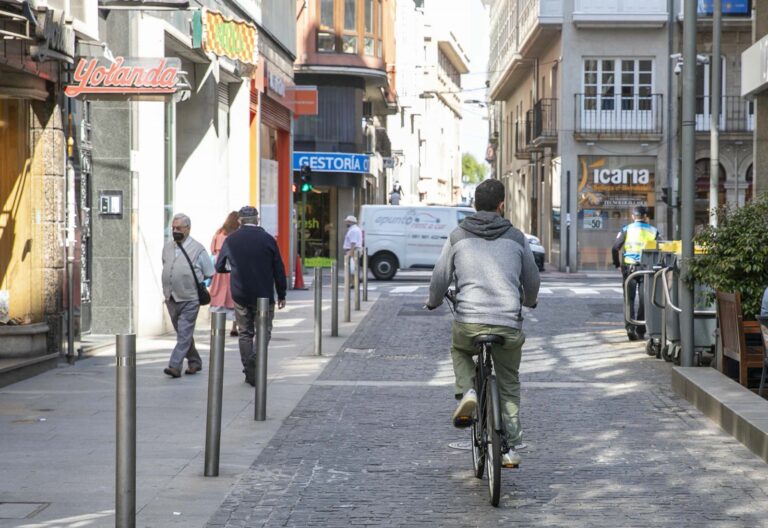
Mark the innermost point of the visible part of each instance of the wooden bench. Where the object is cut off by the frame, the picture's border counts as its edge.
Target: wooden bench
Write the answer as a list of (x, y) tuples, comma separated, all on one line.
[(734, 335)]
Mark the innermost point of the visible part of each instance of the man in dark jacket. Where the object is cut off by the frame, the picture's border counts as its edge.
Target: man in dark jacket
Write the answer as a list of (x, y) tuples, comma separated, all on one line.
[(252, 256), (496, 275)]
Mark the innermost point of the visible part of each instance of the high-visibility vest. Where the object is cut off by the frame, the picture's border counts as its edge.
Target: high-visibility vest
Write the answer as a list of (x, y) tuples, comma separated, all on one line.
[(638, 235)]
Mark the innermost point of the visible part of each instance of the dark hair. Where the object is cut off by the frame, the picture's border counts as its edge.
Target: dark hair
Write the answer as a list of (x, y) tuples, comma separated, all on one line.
[(639, 210), (488, 195), (230, 225)]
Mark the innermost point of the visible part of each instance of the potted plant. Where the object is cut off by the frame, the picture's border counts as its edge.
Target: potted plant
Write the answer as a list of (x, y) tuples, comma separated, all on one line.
[(735, 257)]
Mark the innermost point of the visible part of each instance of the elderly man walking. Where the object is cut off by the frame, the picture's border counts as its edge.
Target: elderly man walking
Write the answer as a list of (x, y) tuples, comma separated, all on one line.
[(181, 256), (251, 255)]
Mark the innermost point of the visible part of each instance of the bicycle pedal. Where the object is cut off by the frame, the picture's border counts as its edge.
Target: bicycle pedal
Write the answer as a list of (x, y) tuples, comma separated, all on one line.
[(462, 422), (510, 466)]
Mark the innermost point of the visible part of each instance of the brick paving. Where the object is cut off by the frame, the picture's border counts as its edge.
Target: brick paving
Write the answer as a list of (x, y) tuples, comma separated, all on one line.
[(608, 443)]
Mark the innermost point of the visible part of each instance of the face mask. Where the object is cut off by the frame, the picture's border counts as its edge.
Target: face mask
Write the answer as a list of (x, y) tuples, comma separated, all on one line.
[(178, 237)]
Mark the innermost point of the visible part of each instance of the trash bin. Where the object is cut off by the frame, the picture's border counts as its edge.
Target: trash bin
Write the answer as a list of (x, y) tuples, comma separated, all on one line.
[(650, 259), (704, 314)]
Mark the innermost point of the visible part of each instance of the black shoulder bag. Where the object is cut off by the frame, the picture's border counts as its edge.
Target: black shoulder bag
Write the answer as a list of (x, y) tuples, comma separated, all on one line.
[(202, 291)]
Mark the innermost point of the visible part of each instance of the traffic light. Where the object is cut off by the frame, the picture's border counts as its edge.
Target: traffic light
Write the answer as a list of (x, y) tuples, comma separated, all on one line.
[(306, 178)]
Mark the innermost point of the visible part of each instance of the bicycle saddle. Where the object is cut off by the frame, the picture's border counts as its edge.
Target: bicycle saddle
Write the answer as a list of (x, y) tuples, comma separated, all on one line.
[(488, 338)]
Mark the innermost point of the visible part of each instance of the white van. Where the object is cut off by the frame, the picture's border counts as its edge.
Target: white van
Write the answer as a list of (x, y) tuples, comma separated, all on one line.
[(404, 236)]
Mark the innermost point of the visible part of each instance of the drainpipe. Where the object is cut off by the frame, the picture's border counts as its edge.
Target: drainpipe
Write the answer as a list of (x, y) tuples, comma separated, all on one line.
[(714, 115), (672, 221)]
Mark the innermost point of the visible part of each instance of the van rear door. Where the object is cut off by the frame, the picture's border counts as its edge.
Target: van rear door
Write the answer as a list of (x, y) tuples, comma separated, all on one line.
[(427, 234)]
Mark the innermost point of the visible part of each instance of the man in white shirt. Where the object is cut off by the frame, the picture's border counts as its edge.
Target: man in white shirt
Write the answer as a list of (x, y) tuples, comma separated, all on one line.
[(353, 240)]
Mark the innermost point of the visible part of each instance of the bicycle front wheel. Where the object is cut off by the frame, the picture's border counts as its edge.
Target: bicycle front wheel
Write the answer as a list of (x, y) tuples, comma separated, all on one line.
[(493, 428)]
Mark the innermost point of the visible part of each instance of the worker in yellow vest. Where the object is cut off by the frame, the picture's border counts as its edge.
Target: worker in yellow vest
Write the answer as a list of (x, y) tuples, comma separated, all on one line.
[(631, 241)]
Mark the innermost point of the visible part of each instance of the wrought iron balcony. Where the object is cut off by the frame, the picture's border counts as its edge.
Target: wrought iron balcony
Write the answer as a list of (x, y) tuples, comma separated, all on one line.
[(522, 133), (619, 115), (737, 115), (543, 120)]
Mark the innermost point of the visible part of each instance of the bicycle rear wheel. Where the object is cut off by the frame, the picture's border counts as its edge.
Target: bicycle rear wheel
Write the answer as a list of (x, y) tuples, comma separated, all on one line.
[(479, 442), (493, 457)]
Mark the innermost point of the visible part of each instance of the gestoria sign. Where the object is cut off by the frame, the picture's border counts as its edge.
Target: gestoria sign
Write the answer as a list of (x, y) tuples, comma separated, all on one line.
[(125, 76)]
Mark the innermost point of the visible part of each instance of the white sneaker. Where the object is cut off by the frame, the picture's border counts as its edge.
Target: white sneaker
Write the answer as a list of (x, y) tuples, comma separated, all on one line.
[(465, 411), (511, 459)]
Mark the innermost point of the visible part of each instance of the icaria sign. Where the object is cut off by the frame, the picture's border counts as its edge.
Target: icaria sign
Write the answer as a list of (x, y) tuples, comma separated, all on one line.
[(125, 76)]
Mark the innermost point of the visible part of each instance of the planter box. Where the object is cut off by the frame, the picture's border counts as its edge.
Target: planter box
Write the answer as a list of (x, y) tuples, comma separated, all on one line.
[(23, 341)]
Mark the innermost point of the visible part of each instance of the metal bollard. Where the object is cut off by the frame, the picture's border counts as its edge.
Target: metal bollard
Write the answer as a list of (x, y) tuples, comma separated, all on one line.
[(215, 388), (347, 293), (365, 274), (262, 321), (334, 299), (125, 460), (357, 280), (318, 311)]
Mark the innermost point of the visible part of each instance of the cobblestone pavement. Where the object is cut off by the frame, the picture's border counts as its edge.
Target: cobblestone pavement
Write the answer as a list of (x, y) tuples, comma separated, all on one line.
[(608, 443)]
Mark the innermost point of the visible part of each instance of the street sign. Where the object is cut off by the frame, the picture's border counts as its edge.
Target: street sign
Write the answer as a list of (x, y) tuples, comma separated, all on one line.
[(730, 8), (332, 162)]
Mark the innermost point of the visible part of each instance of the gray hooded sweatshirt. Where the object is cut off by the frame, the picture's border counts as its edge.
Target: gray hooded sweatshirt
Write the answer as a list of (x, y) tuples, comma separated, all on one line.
[(495, 272)]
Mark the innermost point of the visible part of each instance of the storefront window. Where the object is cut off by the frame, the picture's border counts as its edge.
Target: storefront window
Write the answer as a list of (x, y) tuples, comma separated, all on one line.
[(351, 26), (609, 187), (268, 179), (314, 213)]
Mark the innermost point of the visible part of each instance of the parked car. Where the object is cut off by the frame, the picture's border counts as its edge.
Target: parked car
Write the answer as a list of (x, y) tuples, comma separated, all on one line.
[(412, 237)]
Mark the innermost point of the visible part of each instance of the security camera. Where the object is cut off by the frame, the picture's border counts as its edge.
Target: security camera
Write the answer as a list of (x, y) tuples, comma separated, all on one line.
[(702, 59), (676, 56), (678, 67)]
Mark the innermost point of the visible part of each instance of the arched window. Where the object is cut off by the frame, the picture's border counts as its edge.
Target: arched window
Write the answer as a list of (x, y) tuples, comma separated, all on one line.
[(351, 26), (701, 196)]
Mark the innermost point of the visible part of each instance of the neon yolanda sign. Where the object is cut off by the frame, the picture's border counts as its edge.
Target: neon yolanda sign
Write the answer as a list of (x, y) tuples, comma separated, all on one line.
[(125, 76)]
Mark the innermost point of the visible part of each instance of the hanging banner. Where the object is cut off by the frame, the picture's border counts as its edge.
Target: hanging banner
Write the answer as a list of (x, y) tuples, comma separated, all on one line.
[(225, 37), (128, 76)]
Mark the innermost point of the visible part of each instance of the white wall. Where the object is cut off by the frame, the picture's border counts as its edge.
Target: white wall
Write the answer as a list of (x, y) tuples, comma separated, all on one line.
[(149, 230)]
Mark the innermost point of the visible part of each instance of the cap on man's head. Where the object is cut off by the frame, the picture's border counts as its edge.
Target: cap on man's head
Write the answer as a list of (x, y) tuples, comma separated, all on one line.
[(247, 212), (351, 219), (640, 211)]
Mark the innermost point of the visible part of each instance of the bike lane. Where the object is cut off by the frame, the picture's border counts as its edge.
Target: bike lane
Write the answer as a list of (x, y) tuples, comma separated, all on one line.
[(607, 442)]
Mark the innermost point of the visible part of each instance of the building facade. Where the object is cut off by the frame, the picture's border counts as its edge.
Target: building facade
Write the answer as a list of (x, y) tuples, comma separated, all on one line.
[(37, 243), (588, 119), (346, 49), (426, 131)]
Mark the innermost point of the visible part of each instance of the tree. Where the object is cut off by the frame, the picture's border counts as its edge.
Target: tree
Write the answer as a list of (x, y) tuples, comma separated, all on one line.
[(735, 254), (472, 170)]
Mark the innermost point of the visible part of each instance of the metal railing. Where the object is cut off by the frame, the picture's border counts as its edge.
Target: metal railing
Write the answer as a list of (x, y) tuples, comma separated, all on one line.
[(736, 114), (543, 122), (619, 114)]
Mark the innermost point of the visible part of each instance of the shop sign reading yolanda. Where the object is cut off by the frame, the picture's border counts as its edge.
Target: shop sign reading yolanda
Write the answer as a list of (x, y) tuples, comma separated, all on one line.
[(225, 37), (332, 162), (125, 76)]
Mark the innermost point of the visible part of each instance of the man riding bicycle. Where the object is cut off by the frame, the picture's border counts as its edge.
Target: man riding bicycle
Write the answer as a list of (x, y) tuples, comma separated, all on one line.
[(496, 275)]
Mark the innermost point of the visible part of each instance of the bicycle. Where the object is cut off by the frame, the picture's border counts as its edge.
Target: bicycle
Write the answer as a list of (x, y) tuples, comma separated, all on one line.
[(488, 439)]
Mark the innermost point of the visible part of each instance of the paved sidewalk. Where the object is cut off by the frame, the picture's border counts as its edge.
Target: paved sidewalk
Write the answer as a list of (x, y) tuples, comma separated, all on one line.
[(57, 430), (608, 442)]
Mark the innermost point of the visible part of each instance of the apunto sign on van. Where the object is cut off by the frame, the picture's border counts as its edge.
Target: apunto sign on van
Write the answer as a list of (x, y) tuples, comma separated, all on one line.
[(332, 162)]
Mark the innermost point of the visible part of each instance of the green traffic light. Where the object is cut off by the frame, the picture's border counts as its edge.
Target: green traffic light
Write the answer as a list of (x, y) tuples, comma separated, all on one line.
[(306, 187)]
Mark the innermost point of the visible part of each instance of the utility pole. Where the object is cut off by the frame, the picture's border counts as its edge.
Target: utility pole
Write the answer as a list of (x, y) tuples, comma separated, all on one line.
[(714, 113), (687, 184)]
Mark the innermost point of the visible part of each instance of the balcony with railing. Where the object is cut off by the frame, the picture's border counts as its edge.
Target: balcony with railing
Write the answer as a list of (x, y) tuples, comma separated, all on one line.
[(619, 116), (522, 133), (737, 115), (543, 120)]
